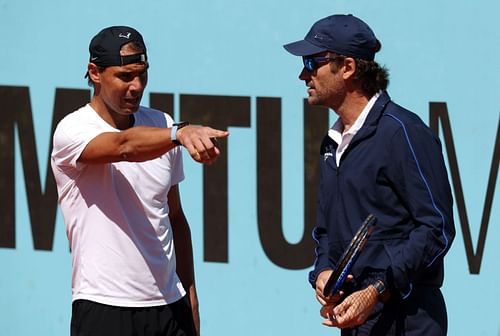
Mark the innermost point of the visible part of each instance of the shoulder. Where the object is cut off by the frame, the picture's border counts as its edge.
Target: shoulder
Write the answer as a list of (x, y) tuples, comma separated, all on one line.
[(83, 113), (406, 125), (398, 117), (76, 120)]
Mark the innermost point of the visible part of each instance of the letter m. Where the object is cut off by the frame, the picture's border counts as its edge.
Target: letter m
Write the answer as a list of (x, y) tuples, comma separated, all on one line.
[(439, 113), (42, 204)]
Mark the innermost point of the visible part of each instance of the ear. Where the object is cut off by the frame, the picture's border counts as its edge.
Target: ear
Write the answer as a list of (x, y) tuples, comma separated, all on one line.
[(94, 73), (349, 68)]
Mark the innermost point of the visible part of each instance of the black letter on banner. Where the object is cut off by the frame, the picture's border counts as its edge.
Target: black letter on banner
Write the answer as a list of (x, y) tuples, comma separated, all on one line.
[(219, 112), (42, 205), (13, 99), (269, 213), (439, 111), (163, 102)]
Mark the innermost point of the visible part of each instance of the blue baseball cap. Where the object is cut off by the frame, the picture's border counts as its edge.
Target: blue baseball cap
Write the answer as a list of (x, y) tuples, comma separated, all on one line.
[(345, 35)]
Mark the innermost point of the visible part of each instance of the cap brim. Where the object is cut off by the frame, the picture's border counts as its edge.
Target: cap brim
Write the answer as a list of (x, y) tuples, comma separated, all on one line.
[(303, 48)]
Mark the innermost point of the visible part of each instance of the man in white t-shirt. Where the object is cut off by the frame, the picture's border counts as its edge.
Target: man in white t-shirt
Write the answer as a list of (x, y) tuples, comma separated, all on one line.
[(117, 166)]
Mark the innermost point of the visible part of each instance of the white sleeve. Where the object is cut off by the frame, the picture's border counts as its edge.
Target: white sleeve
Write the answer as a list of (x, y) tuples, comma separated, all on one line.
[(70, 139)]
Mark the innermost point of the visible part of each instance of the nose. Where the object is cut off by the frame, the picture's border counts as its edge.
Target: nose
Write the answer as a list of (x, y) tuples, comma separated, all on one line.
[(304, 74), (138, 84)]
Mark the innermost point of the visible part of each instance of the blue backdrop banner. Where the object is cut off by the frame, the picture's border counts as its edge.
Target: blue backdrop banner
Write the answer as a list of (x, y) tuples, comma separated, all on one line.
[(251, 217)]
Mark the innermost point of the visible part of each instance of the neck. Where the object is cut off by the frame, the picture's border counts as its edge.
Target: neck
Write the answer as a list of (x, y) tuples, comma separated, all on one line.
[(351, 108), (114, 119)]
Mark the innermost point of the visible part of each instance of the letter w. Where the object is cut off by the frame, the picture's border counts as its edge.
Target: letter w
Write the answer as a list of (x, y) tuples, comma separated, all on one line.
[(439, 111)]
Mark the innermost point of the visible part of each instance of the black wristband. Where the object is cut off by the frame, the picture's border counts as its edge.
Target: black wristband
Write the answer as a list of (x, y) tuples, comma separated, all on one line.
[(383, 292)]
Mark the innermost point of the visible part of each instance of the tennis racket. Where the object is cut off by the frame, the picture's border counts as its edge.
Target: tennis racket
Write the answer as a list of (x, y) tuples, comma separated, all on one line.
[(346, 262)]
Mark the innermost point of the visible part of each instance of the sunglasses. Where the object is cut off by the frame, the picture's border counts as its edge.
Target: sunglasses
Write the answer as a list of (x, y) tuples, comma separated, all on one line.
[(311, 63)]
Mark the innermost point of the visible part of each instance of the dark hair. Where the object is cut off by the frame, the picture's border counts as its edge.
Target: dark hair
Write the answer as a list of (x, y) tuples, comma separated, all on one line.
[(133, 46), (371, 76)]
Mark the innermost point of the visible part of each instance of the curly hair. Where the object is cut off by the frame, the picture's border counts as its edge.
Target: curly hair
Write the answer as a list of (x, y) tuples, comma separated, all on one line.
[(371, 76)]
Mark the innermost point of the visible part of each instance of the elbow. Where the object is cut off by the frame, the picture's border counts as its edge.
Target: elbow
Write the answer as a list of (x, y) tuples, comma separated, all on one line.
[(126, 151)]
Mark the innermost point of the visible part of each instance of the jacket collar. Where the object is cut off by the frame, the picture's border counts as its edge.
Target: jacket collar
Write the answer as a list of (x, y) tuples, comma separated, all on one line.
[(373, 117)]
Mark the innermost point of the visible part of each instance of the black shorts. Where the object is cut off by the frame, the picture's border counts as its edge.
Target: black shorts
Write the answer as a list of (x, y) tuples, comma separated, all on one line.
[(95, 319)]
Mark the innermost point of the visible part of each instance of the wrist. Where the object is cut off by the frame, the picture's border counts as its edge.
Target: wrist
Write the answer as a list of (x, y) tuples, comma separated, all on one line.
[(383, 293), (174, 131)]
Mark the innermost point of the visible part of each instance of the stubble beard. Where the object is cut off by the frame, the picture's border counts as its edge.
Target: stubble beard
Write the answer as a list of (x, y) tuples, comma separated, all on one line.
[(316, 100)]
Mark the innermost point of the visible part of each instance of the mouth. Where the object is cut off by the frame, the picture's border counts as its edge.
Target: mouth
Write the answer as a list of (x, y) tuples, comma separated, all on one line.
[(132, 101)]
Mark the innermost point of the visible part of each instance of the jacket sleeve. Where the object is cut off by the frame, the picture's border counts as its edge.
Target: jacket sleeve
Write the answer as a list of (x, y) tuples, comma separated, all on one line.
[(320, 237), (420, 179)]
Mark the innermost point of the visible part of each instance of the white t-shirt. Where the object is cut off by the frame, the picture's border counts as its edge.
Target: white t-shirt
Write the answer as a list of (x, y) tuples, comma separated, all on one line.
[(116, 215)]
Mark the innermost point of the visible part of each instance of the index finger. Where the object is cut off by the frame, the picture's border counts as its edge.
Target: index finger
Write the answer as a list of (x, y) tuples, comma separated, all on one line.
[(215, 133), (321, 299)]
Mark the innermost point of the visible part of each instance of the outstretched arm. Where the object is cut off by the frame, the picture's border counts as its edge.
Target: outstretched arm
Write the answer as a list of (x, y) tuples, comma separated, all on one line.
[(143, 143)]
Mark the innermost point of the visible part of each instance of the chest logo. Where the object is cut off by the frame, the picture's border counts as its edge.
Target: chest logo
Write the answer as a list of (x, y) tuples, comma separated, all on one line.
[(327, 155)]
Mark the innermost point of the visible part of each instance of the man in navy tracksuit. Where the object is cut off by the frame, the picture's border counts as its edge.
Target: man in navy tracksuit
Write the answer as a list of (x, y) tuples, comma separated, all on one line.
[(381, 159)]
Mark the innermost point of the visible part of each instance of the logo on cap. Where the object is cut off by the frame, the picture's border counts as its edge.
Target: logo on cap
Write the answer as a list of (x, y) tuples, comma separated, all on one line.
[(127, 36)]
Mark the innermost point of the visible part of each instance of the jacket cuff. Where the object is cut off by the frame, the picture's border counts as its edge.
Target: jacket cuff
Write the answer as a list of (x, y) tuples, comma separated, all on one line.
[(313, 275)]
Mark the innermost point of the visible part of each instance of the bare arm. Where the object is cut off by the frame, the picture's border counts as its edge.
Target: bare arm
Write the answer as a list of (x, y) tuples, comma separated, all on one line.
[(143, 143), (183, 251)]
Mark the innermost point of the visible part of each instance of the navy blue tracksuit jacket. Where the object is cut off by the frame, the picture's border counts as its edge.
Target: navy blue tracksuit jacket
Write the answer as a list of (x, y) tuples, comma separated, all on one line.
[(394, 169)]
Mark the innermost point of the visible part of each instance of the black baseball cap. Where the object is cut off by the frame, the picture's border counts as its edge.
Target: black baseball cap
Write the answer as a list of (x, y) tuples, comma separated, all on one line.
[(343, 34), (105, 47)]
